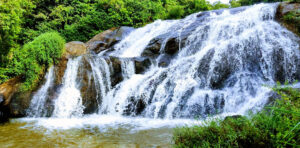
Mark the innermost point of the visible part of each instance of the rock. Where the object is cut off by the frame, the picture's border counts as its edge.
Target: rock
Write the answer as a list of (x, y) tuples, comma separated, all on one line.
[(288, 15), (75, 48), (97, 46), (141, 65), (20, 103), (164, 60), (8, 91), (87, 87), (286, 7), (108, 38), (3, 110), (59, 70), (116, 73), (153, 48)]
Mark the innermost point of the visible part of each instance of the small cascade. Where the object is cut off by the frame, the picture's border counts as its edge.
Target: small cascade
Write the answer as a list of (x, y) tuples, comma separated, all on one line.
[(135, 43), (69, 101), (38, 106), (101, 74), (127, 67)]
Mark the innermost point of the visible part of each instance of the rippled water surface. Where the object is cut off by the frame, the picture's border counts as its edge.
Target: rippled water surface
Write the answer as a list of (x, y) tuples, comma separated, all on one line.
[(92, 131)]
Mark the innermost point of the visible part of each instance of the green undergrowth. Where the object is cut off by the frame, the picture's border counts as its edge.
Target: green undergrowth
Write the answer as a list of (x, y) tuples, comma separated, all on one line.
[(293, 19), (277, 125), (34, 59)]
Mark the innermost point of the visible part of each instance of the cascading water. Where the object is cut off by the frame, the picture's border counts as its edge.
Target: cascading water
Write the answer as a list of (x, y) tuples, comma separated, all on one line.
[(223, 61), (69, 101), (37, 107), (166, 74), (221, 67)]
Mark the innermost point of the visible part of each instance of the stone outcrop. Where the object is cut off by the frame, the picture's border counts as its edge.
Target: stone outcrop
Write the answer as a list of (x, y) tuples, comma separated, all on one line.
[(107, 39), (7, 90), (288, 14)]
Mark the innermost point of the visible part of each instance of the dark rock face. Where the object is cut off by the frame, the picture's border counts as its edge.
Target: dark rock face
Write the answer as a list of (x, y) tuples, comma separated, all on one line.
[(87, 87), (20, 103), (4, 111), (141, 65)]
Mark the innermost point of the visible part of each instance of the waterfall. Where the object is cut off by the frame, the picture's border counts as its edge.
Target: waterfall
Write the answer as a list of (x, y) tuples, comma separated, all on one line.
[(69, 101), (223, 63), (38, 107), (222, 66), (101, 74)]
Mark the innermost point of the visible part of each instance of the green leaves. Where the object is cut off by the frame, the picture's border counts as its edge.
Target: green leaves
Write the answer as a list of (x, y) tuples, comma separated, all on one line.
[(35, 58)]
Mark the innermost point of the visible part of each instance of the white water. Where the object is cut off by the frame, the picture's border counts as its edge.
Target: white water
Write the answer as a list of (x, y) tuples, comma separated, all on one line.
[(37, 107), (134, 44), (180, 90), (69, 101), (221, 69)]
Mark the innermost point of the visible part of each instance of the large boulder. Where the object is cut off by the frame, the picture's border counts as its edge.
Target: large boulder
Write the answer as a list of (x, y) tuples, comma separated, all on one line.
[(7, 92), (108, 38), (75, 48), (72, 49), (288, 14)]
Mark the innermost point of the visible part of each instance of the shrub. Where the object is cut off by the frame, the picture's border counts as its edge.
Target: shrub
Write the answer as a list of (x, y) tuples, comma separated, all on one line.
[(36, 56), (276, 126), (175, 12)]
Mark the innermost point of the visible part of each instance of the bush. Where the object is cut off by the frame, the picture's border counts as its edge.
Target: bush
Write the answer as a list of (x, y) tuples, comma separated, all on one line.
[(175, 12), (35, 58), (276, 126)]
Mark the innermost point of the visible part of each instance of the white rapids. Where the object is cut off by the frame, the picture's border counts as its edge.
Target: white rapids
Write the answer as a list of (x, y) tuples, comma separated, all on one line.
[(222, 68)]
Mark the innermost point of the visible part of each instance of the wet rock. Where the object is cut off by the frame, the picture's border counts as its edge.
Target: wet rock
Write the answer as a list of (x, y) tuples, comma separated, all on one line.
[(108, 38), (59, 70), (164, 60), (14, 102), (172, 46), (73, 49), (20, 103), (141, 65), (4, 111), (153, 48), (135, 108), (87, 87), (97, 46), (116, 72)]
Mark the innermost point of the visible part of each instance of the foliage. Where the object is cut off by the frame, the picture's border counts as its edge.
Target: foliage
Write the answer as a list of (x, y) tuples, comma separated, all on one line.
[(293, 19), (35, 57), (11, 14), (277, 125)]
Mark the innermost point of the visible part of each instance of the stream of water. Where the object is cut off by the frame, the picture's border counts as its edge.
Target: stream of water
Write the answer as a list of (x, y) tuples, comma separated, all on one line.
[(225, 60)]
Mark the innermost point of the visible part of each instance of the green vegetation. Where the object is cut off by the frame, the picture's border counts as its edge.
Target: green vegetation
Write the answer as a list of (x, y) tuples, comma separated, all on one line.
[(34, 59), (278, 125), (293, 20)]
